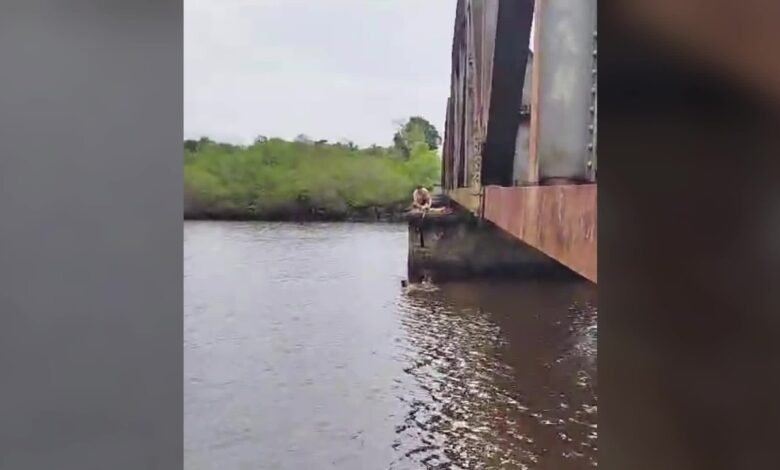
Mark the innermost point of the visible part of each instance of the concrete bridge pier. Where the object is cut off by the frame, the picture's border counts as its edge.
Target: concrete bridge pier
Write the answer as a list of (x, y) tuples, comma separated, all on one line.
[(460, 246)]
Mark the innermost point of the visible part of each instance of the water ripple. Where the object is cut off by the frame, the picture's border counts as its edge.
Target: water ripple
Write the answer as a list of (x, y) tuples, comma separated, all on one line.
[(469, 410)]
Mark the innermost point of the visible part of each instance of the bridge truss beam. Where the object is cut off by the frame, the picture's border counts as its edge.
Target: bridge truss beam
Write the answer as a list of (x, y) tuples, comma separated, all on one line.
[(537, 179)]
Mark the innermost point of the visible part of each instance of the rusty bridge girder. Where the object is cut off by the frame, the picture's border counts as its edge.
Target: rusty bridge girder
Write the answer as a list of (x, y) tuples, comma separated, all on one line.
[(520, 137)]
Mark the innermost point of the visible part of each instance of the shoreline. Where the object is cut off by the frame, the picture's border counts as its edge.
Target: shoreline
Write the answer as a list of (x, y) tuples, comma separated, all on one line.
[(364, 217), (380, 215)]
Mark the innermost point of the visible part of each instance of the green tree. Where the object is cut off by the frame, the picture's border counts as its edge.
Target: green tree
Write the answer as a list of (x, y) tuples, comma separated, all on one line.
[(195, 145), (417, 129), (276, 178), (348, 144)]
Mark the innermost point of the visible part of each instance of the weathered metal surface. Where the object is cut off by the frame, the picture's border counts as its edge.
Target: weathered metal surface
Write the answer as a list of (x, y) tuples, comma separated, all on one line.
[(509, 70), (565, 61), (559, 221), (488, 74), (502, 130), (521, 174), (473, 86), (526, 85), (521, 171), (593, 126), (466, 198), (532, 173), (453, 151)]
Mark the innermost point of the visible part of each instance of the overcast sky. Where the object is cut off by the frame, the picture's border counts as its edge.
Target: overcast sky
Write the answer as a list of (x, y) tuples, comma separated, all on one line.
[(330, 69)]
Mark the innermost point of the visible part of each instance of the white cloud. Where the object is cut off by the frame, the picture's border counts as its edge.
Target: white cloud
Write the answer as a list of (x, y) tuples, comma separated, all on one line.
[(330, 69)]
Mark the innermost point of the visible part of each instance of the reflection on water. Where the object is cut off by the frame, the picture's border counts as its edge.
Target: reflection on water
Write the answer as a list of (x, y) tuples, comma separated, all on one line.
[(492, 391), (302, 350)]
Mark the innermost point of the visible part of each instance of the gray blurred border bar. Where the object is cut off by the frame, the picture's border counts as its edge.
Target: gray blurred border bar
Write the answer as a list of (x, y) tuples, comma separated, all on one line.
[(90, 234)]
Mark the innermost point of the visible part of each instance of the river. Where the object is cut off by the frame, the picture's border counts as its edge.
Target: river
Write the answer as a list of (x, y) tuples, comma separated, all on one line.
[(303, 351)]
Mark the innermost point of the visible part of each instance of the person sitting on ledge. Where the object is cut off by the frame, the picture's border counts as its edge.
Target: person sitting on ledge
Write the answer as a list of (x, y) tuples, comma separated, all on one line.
[(421, 198)]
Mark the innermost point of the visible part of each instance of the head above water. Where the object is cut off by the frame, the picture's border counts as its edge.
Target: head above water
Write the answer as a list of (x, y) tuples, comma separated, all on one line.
[(419, 186)]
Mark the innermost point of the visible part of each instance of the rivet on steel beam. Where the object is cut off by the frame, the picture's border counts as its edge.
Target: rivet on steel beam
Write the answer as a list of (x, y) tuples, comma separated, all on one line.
[(590, 164), (590, 128), (595, 52), (593, 71), (592, 109), (595, 33), (590, 147), (593, 89)]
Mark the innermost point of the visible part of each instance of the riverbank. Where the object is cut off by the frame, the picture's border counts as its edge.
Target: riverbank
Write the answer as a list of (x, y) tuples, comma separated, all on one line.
[(368, 215), (278, 180)]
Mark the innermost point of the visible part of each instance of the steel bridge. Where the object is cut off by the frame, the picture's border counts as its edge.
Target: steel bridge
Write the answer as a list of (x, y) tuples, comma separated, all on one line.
[(520, 138)]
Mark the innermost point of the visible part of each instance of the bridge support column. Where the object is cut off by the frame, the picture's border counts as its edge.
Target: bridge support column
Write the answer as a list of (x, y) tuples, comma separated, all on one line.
[(457, 247), (563, 101)]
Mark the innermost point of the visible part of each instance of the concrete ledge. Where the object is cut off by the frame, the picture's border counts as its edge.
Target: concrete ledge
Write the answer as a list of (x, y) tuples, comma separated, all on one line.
[(460, 246), (417, 219)]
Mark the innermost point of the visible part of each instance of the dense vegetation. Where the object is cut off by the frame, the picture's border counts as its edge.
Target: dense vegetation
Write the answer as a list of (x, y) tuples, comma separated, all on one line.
[(275, 179)]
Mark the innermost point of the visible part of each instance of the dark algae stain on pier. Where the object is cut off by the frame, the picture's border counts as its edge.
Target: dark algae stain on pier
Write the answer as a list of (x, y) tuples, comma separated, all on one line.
[(302, 350)]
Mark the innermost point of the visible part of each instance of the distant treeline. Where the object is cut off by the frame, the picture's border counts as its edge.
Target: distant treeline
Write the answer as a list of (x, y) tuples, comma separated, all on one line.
[(275, 179)]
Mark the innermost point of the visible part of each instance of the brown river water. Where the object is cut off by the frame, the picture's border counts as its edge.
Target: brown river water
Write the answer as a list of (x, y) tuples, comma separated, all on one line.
[(302, 351)]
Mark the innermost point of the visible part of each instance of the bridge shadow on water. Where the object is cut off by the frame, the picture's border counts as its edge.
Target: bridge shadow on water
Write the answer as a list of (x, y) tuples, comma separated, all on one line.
[(500, 375)]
